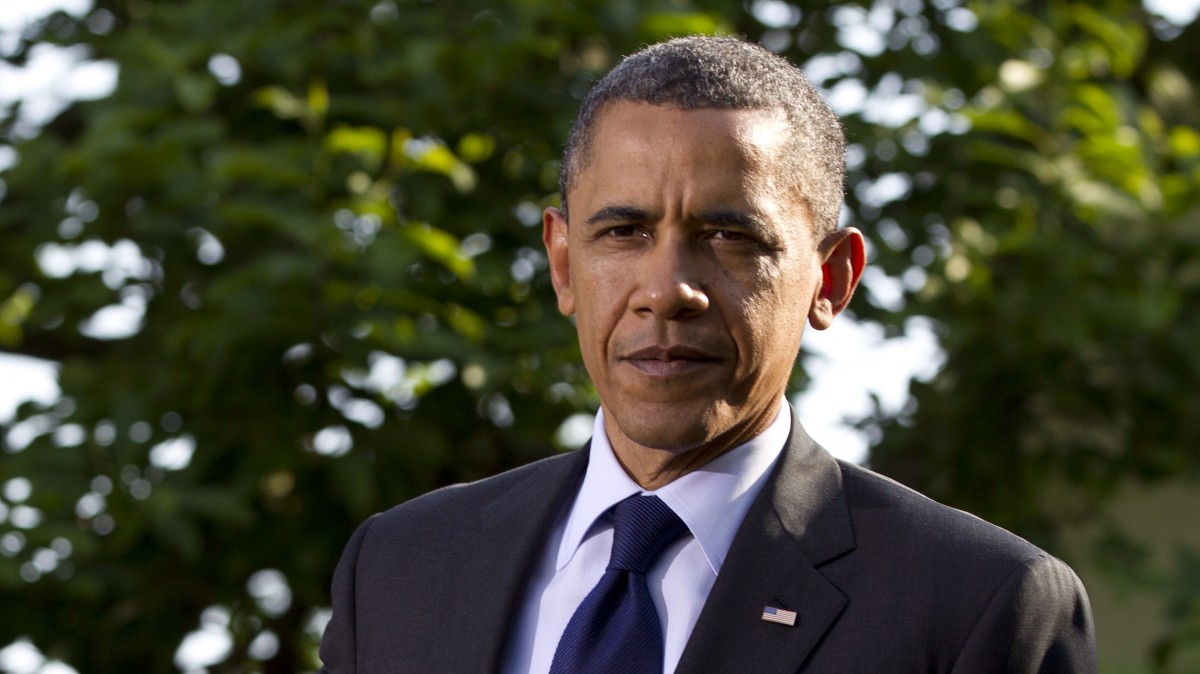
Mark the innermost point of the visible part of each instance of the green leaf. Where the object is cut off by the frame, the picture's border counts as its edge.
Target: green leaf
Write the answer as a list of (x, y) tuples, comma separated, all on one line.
[(368, 142), (440, 246)]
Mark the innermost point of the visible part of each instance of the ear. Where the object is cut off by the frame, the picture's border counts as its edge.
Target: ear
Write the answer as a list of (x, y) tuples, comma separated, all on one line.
[(843, 256), (554, 235)]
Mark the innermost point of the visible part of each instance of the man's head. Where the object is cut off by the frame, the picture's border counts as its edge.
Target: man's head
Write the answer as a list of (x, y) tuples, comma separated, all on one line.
[(696, 73), (691, 262)]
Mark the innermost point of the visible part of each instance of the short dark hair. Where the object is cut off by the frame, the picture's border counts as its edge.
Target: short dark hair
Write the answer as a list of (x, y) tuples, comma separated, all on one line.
[(700, 72)]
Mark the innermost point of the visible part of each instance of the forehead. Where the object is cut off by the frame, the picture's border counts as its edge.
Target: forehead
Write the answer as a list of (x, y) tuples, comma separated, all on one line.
[(704, 153), (624, 127)]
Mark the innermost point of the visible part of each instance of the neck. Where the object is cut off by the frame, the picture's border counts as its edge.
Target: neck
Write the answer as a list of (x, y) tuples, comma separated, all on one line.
[(656, 468)]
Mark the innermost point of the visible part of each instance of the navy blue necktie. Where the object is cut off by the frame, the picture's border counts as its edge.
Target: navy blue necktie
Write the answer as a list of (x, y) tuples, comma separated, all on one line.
[(616, 628)]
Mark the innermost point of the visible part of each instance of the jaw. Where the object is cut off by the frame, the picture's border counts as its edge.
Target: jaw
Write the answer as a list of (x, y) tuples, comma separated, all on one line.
[(658, 443), (682, 424)]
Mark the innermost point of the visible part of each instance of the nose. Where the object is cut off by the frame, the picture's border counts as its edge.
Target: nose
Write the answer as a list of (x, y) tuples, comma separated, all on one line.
[(669, 281)]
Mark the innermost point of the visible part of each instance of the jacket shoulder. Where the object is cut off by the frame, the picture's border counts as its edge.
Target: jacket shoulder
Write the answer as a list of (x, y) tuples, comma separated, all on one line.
[(973, 596), (412, 578), (884, 509), (459, 501)]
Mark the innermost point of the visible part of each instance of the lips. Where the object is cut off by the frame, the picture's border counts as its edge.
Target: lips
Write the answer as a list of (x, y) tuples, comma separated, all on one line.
[(670, 361)]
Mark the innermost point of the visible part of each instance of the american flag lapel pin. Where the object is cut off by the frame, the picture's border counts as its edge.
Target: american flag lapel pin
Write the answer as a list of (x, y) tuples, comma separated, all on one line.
[(778, 615)]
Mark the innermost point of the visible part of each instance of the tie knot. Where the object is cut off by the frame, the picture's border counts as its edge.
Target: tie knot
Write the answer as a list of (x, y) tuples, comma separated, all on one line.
[(642, 527)]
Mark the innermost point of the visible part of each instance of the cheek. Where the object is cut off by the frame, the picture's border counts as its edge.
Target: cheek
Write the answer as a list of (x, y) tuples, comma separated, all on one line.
[(599, 303), (770, 316)]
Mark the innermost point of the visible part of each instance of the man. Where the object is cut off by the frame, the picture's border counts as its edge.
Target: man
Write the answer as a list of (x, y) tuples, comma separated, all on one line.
[(701, 189)]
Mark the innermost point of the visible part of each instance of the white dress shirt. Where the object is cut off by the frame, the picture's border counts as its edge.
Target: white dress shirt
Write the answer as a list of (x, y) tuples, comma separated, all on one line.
[(711, 500)]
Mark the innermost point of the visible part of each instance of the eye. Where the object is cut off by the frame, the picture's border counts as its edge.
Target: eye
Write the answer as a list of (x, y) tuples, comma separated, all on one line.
[(729, 235), (623, 231)]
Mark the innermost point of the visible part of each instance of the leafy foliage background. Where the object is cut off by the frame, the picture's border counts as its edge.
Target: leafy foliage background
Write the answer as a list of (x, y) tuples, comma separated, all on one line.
[(333, 212)]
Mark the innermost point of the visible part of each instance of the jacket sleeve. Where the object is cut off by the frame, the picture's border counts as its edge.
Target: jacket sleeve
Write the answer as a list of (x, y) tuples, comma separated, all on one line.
[(338, 650), (1038, 621)]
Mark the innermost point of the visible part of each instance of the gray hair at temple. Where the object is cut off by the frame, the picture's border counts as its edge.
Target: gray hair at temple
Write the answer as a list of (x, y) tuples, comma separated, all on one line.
[(695, 73)]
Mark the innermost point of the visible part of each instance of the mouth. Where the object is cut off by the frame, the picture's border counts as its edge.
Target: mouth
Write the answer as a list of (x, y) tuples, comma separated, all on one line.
[(669, 361)]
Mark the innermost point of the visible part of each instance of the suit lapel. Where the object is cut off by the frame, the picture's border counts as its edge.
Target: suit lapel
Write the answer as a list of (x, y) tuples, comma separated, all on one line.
[(798, 522), (512, 533)]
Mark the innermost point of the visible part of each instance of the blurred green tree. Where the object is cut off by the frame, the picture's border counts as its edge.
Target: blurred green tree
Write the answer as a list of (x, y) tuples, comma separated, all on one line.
[(321, 224)]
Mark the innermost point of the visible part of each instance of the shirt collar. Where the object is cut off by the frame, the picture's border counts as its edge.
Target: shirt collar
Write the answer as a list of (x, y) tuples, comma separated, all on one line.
[(712, 500)]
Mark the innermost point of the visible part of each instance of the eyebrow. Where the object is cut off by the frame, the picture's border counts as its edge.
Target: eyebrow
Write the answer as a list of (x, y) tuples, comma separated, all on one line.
[(618, 213), (734, 217), (718, 216)]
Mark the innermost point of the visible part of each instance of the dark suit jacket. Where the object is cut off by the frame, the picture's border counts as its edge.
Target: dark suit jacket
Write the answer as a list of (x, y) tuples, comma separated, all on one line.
[(883, 580)]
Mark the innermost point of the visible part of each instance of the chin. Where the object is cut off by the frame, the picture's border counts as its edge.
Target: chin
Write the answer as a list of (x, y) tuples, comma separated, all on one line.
[(668, 430)]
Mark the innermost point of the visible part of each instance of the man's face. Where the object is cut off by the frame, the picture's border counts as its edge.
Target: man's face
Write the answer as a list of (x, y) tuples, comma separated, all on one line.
[(690, 266)]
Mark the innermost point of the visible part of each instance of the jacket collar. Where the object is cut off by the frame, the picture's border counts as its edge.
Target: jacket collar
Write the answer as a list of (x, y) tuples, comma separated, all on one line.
[(513, 529), (800, 521)]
